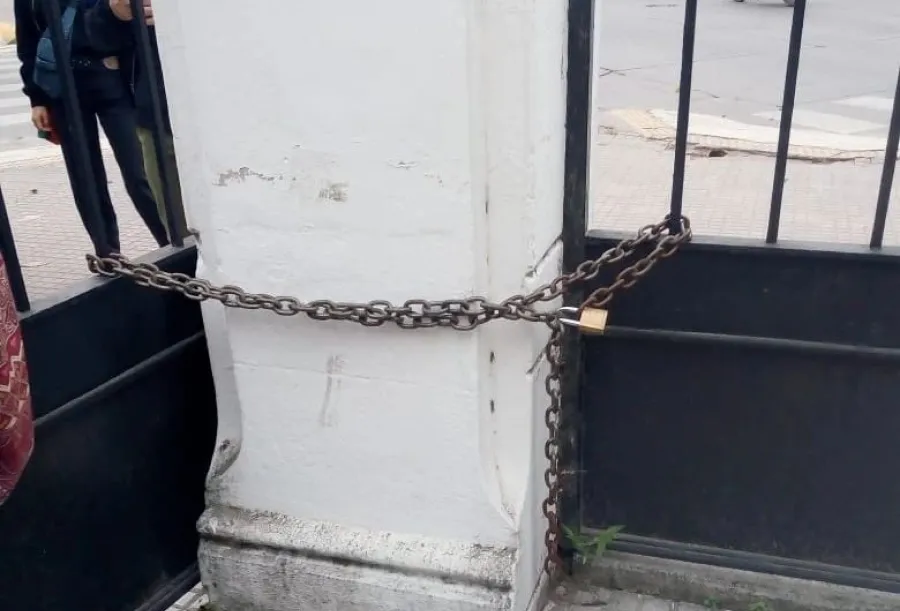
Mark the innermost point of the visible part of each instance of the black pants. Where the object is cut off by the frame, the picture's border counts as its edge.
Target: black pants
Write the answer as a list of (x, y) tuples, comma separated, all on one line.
[(115, 110)]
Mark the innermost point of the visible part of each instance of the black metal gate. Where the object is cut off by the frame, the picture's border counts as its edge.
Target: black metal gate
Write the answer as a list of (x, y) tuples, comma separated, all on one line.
[(104, 516), (741, 409)]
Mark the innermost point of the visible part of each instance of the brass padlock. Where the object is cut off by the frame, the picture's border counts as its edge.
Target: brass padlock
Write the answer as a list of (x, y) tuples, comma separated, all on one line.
[(591, 321)]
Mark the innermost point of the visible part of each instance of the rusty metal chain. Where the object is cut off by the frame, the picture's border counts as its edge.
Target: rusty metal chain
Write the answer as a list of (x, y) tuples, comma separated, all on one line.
[(553, 536), (465, 314)]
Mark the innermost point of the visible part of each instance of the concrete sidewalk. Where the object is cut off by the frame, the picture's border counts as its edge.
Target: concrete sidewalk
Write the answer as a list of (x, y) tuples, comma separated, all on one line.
[(50, 238), (631, 179), (608, 600)]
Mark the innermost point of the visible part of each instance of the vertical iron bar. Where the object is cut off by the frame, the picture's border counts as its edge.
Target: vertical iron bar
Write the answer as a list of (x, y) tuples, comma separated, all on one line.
[(148, 61), (684, 113), (83, 175), (579, 79), (887, 173), (787, 117), (11, 258)]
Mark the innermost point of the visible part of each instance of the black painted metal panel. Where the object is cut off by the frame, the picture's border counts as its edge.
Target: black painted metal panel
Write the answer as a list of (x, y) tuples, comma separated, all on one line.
[(98, 329), (751, 449), (780, 449), (106, 510), (104, 517), (796, 292)]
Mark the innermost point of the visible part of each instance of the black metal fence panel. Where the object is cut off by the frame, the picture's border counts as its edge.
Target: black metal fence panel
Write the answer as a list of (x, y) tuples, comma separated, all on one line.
[(676, 199), (104, 517), (745, 399), (887, 173), (739, 408), (787, 118), (101, 330), (774, 451)]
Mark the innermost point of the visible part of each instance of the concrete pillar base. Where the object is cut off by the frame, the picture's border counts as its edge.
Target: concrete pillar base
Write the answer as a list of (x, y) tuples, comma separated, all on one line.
[(259, 561)]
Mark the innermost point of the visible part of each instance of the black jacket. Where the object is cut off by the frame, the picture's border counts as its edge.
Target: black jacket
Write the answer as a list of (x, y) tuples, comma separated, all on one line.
[(31, 22), (108, 35)]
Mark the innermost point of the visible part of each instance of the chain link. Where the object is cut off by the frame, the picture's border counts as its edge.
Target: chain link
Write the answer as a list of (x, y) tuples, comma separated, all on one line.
[(550, 505), (661, 241)]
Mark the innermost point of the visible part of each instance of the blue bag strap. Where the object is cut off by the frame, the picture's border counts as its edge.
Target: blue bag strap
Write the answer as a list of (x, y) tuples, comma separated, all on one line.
[(68, 20), (45, 52)]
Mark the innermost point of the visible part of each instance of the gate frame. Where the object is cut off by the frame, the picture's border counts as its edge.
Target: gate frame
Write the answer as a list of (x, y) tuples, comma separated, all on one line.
[(124, 408), (579, 96), (576, 237)]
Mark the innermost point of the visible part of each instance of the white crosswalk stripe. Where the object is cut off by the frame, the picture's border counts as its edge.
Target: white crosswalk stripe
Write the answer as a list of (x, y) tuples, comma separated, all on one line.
[(823, 121), (13, 102), (17, 119), (870, 102), (16, 131), (18, 138), (866, 116), (851, 126)]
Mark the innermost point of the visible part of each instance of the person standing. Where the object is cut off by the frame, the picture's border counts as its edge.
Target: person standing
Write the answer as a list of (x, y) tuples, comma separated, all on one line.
[(103, 93), (109, 29)]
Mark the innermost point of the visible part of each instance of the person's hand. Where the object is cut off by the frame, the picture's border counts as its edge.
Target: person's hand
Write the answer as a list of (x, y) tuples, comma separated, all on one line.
[(122, 10), (40, 117)]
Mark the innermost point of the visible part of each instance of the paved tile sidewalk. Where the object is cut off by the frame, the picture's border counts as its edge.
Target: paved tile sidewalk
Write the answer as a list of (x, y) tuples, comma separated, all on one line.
[(591, 599), (729, 196), (49, 236)]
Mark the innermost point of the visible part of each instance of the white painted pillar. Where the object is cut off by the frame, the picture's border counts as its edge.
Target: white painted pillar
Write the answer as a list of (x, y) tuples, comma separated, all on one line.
[(356, 150)]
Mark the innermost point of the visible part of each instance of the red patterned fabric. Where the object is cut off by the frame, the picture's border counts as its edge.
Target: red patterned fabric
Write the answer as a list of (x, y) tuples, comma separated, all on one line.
[(16, 424)]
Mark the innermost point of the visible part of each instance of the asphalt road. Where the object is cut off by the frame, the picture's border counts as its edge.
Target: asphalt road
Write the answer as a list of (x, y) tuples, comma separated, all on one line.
[(848, 66)]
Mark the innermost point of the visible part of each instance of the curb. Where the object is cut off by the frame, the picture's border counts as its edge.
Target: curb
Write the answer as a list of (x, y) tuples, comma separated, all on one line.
[(44, 154), (7, 33), (721, 133)]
